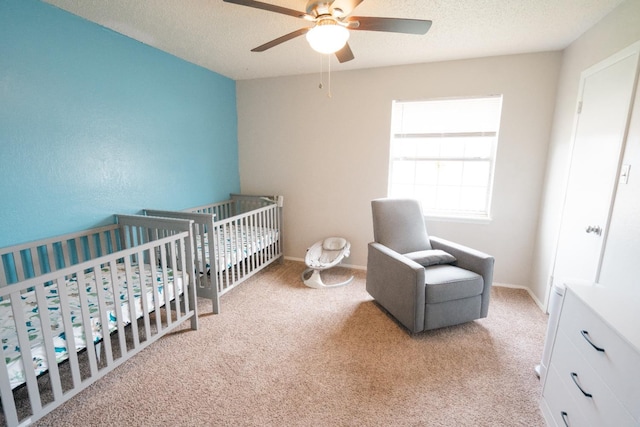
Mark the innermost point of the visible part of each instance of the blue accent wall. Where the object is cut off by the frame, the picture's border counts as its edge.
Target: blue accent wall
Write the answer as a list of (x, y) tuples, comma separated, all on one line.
[(94, 123)]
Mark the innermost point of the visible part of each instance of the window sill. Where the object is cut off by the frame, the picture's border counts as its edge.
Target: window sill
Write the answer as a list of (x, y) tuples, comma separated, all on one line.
[(461, 219)]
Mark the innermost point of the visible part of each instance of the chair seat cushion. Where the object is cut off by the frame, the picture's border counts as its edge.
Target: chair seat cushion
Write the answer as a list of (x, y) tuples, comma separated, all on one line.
[(448, 282)]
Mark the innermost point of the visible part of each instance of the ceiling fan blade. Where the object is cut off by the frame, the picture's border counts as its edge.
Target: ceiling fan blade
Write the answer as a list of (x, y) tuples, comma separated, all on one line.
[(344, 54), (392, 25), (279, 40), (271, 8)]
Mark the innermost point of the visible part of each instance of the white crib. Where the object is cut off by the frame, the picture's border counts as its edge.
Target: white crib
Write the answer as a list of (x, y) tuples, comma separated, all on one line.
[(233, 240), (107, 293)]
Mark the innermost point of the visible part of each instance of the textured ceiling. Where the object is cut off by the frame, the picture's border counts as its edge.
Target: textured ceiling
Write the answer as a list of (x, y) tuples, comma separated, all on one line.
[(219, 36)]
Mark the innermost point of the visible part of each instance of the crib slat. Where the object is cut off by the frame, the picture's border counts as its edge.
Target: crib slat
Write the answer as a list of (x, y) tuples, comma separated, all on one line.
[(165, 286), (213, 278), (6, 394), (51, 256), (25, 351), (93, 245), (278, 226), (86, 320), (143, 292), (173, 260), (139, 233), (155, 267), (225, 256), (187, 295), (17, 260), (77, 251), (34, 255), (255, 242), (131, 303), (262, 238), (225, 271), (66, 256), (161, 271), (47, 337), (113, 266), (232, 231), (201, 257), (239, 249), (177, 257), (111, 238), (70, 338), (259, 238), (104, 319), (3, 274), (269, 241), (249, 235), (98, 245)]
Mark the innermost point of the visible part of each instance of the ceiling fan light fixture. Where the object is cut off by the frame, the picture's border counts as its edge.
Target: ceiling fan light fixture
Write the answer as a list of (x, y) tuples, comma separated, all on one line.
[(327, 36)]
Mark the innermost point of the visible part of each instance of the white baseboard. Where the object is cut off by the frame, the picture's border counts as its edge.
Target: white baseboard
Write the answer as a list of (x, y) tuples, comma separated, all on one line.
[(533, 297), (355, 267)]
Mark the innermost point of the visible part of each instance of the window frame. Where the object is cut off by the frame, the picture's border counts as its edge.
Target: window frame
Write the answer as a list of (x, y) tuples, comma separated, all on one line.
[(482, 216)]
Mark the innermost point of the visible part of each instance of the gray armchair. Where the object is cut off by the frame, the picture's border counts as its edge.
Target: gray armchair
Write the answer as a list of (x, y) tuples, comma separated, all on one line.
[(424, 282)]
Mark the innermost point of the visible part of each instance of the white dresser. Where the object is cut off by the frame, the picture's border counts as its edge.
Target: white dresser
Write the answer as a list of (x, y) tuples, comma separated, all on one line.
[(593, 377)]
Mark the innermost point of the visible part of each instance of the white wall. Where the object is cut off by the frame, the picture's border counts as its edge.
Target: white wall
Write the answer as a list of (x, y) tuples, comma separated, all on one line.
[(616, 31), (329, 156)]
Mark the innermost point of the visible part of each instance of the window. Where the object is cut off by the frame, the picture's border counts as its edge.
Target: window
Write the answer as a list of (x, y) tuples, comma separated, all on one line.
[(443, 154)]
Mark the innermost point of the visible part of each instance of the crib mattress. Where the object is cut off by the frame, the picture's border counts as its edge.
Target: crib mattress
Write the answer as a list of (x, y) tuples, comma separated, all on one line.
[(7, 325), (238, 243)]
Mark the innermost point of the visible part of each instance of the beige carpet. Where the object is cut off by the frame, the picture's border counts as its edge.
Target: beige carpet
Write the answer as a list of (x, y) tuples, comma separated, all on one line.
[(282, 354)]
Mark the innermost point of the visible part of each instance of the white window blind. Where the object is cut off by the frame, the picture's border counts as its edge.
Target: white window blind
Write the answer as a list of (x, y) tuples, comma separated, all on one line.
[(443, 154)]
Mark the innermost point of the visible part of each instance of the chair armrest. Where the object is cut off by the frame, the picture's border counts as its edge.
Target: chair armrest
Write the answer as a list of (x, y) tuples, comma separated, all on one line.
[(472, 260), (397, 284)]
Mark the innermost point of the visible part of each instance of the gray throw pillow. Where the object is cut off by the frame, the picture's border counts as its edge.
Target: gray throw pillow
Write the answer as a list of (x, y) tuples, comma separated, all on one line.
[(431, 257)]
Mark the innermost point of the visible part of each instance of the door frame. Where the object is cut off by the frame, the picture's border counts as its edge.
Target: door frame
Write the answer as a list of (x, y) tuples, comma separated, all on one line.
[(633, 49)]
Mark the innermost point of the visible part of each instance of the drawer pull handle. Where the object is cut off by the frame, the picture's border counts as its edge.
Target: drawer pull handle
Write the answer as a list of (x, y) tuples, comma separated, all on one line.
[(574, 377), (564, 416), (585, 335)]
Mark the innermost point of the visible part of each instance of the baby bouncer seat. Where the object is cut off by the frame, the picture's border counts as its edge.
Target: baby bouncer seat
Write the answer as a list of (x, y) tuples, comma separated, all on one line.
[(323, 255)]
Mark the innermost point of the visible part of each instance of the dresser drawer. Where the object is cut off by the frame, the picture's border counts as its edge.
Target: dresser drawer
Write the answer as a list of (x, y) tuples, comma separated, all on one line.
[(618, 365), (558, 407), (592, 396)]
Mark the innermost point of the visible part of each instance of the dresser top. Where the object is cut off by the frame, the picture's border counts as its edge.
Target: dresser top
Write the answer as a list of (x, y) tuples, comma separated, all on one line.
[(620, 310)]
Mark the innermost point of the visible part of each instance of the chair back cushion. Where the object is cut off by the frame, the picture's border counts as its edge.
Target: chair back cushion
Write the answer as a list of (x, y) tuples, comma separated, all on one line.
[(431, 257), (399, 225)]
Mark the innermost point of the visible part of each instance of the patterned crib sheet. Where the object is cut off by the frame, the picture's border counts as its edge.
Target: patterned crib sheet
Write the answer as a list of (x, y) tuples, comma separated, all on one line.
[(9, 337), (238, 243)]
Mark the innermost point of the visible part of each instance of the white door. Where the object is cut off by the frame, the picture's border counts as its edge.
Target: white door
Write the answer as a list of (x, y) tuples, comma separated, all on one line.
[(606, 93)]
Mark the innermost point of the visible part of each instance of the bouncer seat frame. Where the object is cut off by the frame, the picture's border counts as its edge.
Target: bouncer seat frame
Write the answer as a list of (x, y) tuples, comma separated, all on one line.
[(322, 255)]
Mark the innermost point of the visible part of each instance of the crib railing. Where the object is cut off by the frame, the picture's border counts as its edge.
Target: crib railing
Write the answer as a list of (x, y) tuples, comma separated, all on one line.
[(24, 261), (237, 204)]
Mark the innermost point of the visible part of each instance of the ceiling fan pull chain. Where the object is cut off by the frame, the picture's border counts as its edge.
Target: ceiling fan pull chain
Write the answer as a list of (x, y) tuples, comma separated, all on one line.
[(329, 76), (320, 86)]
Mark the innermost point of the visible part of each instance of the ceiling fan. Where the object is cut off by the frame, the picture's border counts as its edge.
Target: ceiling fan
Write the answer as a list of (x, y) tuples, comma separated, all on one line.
[(332, 22)]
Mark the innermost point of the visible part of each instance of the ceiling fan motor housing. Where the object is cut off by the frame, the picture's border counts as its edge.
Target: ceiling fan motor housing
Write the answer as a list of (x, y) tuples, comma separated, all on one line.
[(319, 8)]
